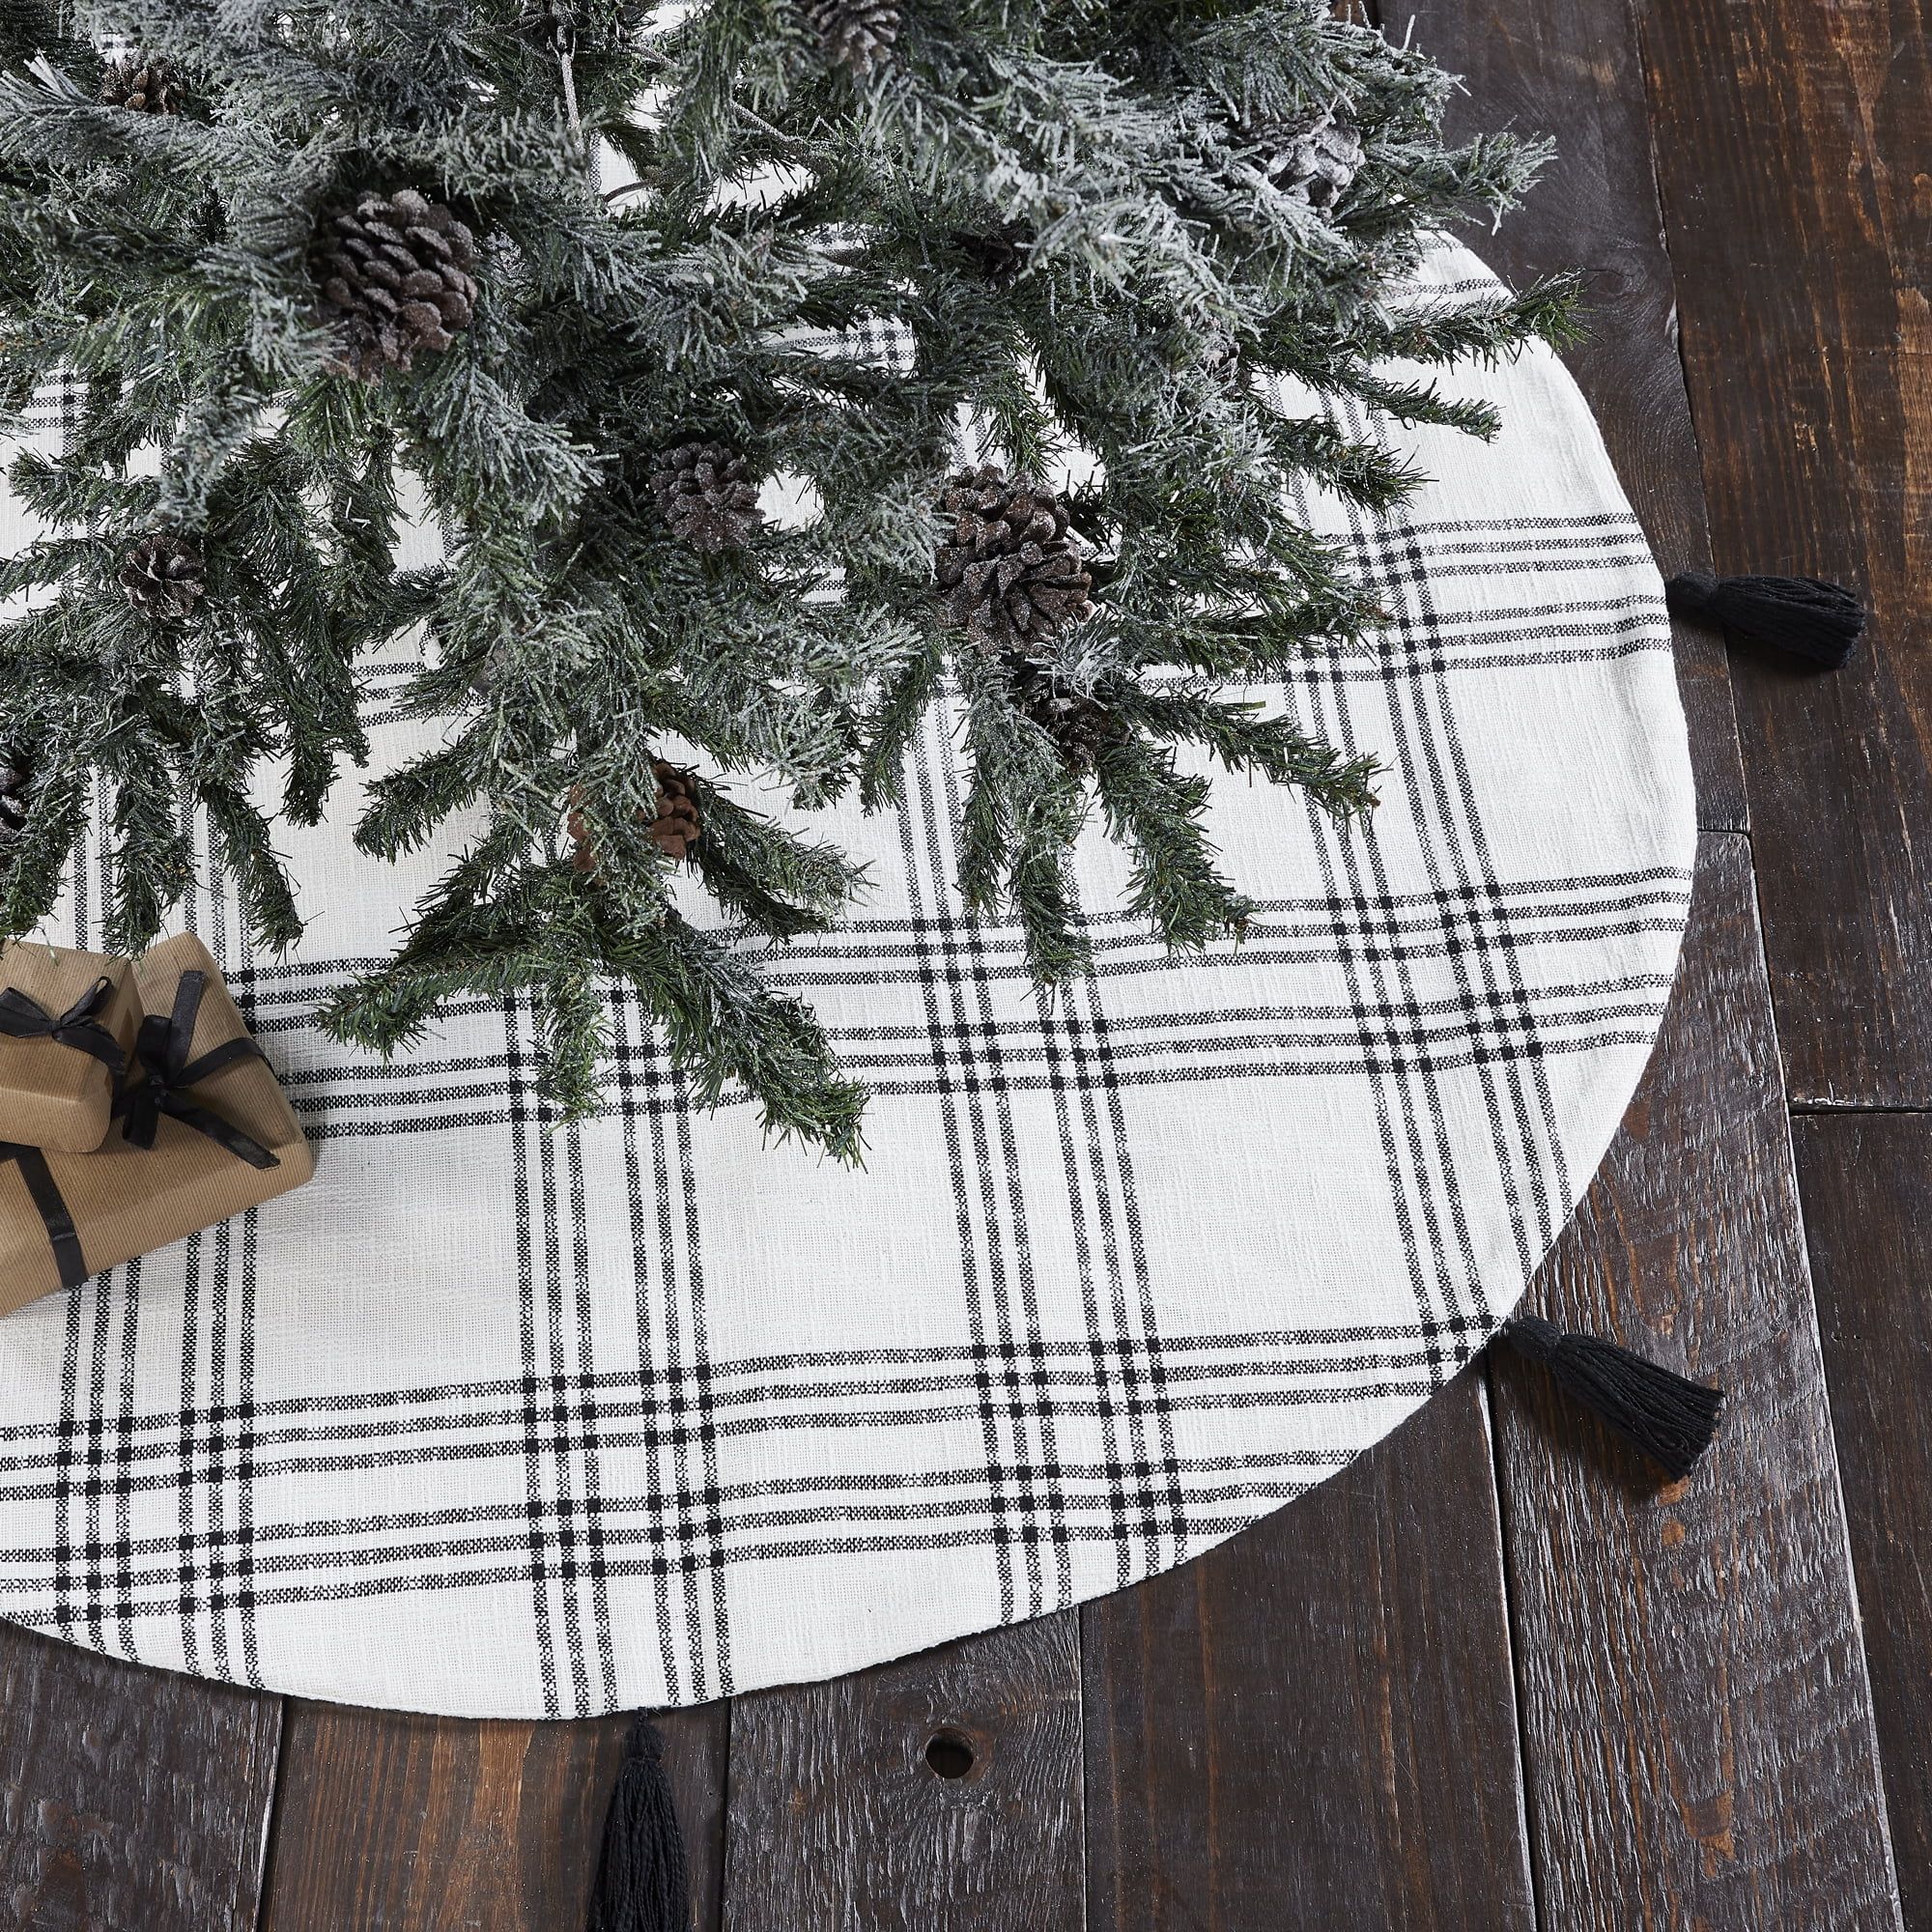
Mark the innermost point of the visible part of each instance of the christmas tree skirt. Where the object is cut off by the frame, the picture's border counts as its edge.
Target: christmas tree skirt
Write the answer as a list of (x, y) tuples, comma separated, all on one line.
[(501, 1419)]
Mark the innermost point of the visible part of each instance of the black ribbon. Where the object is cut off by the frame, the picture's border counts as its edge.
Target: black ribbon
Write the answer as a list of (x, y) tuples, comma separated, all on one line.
[(45, 1193), (161, 1049), (25, 1017)]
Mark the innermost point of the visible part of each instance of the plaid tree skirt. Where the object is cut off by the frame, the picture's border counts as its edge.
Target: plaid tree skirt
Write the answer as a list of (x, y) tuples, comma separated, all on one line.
[(502, 1420)]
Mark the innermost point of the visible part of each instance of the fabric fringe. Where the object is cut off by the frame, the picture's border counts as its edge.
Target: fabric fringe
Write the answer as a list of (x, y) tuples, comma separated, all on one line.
[(1809, 616), (1671, 1418), (642, 1881)]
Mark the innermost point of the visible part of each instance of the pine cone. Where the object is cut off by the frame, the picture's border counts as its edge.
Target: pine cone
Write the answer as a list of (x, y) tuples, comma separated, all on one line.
[(394, 278), (858, 35), (141, 83), (674, 831), (1008, 575), (1080, 725), (1221, 358), (17, 792), (164, 578), (1315, 163), (705, 493), (999, 256), (677, 828)]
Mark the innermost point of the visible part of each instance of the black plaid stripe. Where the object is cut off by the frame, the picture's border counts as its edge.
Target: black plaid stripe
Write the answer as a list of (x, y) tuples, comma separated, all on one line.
[(698, 1498), (989, 1202), (1488, 972), (641, 1063), (1411, 1122), (1524, 1135), (342, 1094), (884, 345), (989, 1041), (71, 1434), (542, 1425), (797, 1390), (232, 1339), (677, 1440), (339, 1557), (1134, 1340), (1433, 1153), (54, 407), (1383, 995), (624, 1463)]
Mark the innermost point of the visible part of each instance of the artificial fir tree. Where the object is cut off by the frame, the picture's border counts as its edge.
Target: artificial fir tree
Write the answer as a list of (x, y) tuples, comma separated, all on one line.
[(567, 271)]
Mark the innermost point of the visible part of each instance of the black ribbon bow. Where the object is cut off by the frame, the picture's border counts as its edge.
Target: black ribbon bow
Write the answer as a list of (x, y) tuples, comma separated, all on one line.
[(161, 1050), (25, 1017)]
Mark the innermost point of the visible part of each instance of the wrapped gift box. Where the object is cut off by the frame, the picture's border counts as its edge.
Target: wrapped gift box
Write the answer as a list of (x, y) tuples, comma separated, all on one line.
[(67, 1029), (201, 1132)]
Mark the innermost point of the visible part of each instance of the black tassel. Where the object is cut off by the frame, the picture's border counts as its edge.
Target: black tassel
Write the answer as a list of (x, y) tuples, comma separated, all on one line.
[(1808, 615), (1670, 1419), (642, 1882)]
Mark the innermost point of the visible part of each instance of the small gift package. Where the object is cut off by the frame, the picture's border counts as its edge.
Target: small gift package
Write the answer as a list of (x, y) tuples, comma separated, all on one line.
[(200, 1131), (66, 1031)]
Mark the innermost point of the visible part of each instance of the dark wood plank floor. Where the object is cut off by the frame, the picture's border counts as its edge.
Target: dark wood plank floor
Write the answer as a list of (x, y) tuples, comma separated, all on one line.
[(1486, 1678)]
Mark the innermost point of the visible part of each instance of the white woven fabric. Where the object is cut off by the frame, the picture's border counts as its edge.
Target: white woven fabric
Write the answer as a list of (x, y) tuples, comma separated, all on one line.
[(502, 1420)]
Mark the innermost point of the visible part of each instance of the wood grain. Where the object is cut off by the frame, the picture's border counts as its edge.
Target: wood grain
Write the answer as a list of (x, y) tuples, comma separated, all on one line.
[(839, 1823), (1793, 144), (435, 1824), (1696, 1715), (1682, 1772), (1314, 1724), (1320, 1723), (1867, 1187), (1572, 71), (131, 1800)]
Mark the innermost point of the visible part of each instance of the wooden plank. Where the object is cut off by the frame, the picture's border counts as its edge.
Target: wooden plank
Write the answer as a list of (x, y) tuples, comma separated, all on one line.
[(1314, 1724), (130, 1800), (1867, 1186), (1793, 147), (941, 1792), (1572, 71), (1682, 1772), (1696, 1715), (1314, 1807), (432, 1824)]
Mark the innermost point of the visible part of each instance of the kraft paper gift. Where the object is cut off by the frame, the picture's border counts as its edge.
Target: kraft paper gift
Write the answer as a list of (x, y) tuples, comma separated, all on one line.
[(201, 1132)]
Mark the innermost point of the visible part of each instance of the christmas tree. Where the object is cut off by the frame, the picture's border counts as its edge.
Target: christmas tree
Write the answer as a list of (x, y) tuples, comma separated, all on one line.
[(579, 283)]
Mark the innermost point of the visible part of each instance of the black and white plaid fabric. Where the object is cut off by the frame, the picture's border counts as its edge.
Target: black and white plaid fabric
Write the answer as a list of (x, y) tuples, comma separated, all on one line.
[(502, 1420), (51, 412)]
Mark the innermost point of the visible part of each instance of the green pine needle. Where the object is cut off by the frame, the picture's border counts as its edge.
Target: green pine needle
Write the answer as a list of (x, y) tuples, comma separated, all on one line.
[(1165, 274)]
